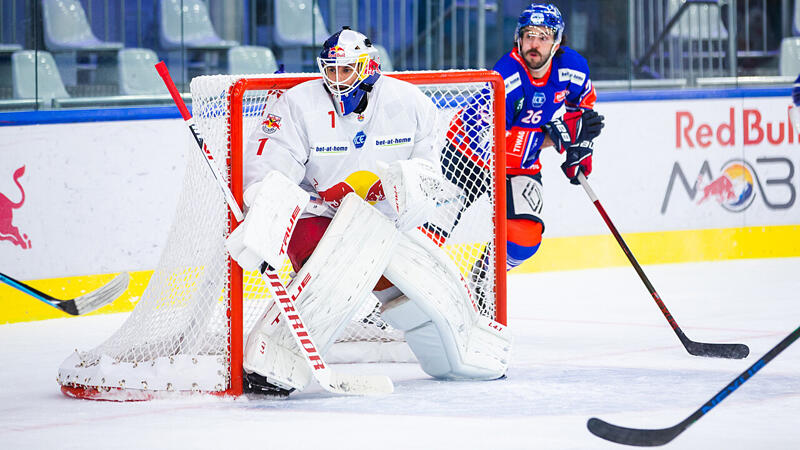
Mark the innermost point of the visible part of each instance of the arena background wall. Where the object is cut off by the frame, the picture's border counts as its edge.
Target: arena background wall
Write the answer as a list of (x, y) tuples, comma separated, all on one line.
[(685, 177)]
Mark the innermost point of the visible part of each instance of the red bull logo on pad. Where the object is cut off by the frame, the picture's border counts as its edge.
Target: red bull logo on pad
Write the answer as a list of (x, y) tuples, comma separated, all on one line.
[(9, 232), (364, 183)]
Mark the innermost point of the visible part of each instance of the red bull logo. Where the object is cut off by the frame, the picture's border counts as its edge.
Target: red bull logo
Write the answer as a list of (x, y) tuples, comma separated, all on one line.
[(733, 190), (373, 67), (721, 188), (271, 123), (336, 52), (364, 183), (8, 232)]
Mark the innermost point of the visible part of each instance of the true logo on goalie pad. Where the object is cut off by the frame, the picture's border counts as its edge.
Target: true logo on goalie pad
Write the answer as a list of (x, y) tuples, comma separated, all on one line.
[(288, 233)]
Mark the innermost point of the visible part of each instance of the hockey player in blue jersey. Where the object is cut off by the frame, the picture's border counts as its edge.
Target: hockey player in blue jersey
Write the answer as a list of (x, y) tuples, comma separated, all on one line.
[(549, 102), (542, 77)]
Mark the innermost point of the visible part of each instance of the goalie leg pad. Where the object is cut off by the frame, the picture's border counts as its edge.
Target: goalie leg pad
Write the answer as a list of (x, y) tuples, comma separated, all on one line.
[(441, 323), (333, 285)]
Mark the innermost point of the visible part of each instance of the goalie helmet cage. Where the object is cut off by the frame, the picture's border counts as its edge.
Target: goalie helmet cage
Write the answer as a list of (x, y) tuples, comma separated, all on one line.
[(187, 332)]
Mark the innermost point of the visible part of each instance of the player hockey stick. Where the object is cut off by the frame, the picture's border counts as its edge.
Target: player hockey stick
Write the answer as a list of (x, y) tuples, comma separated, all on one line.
[(731, 351), (652, 438), (330, 380), (83, 304)]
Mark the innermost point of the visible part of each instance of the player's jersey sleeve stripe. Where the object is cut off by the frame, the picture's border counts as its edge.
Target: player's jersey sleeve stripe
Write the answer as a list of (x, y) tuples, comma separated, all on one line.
[(589, 99)]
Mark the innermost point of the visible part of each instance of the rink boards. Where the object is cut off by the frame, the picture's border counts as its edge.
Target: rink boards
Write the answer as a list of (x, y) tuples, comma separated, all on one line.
[(684, 179)]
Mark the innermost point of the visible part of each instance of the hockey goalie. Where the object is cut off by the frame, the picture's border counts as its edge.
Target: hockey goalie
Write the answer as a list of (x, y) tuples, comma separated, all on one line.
[(339, 176)]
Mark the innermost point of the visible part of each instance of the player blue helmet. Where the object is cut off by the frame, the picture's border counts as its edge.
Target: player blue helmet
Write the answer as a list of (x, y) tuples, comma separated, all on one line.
[(350, 66), (541, 15)]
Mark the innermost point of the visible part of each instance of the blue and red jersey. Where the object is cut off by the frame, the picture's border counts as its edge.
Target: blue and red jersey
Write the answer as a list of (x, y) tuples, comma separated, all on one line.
[(532, 102)]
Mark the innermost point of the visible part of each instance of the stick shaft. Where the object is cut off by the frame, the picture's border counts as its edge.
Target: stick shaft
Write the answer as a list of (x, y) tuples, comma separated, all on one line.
[(208, 157), (629, 254), (33, 292), (732, 351)]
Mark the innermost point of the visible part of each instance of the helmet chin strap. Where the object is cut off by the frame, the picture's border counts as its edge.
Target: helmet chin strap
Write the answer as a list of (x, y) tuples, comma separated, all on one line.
[(362, 104)]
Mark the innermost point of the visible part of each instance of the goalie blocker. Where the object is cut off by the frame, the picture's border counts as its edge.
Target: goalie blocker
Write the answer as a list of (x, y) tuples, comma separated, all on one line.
[(442, 324)]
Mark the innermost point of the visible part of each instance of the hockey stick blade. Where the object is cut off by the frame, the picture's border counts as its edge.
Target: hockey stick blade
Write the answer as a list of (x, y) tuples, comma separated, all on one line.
[(653, 438), (83, 304), (633, 436), (730, 351), (109, 292), (351, 384)]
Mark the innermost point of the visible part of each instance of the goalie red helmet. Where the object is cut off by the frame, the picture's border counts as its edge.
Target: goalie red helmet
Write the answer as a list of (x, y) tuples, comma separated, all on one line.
[(350, 66)]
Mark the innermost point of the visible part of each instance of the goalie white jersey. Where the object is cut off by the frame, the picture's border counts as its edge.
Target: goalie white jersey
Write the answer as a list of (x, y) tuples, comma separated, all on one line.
[(303, 136)]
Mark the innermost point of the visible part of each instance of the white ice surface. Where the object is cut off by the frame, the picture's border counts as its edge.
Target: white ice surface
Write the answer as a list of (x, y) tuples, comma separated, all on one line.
[(588, 343)]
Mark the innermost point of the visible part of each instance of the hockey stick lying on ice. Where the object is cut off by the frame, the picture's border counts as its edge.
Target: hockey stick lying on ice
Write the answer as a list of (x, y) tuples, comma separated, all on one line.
[(731, 351), (652, 438), (331, 381), (86, 303)]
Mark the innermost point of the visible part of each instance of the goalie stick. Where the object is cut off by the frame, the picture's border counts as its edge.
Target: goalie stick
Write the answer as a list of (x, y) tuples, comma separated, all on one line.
[(652, 438), (83, 304), (328, 379), (731, 351)]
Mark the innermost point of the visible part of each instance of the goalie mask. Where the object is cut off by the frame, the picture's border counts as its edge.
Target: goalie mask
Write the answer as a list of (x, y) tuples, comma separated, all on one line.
[(350, 66)]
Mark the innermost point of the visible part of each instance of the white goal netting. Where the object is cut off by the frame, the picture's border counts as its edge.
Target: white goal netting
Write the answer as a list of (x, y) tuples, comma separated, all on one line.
[(185, 333)]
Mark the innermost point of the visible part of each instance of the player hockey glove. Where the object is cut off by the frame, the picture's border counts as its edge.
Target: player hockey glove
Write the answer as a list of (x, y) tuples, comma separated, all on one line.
[(579, 158), (574, 127)]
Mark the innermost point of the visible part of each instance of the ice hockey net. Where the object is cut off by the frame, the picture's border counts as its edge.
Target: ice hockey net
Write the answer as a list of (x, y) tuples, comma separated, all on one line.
[(187, 331)]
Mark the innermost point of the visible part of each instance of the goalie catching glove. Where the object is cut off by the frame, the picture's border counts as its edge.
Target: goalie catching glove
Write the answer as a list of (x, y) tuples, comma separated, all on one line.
[(415, 188)]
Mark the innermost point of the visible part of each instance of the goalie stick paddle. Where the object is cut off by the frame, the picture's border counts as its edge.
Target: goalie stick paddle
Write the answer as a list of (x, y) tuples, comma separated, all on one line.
[(328, 379), (83, 304), (652, 438), (730, 351)]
